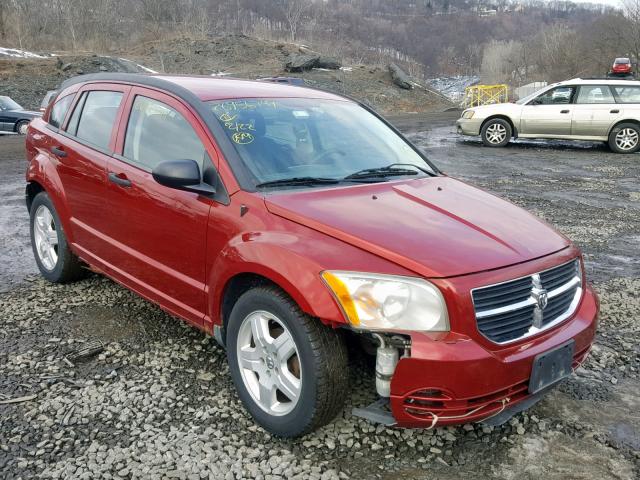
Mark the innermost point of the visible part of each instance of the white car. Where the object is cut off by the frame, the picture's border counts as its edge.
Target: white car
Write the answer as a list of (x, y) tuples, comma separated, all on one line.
[(595, 110)]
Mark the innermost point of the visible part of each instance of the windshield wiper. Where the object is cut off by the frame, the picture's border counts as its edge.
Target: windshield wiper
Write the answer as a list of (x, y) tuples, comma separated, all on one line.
[(388, 171), (298, 181)]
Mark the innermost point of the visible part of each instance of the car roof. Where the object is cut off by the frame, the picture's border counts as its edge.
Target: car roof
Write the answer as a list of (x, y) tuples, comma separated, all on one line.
[(212, 88), (207, 88), (599, 81)]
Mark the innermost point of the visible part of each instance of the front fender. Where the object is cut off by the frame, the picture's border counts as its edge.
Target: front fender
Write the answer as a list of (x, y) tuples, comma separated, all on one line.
[(283, 259)]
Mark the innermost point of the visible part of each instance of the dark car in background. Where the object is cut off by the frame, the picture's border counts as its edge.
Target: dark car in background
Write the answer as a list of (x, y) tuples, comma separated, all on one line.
[(14, 118)]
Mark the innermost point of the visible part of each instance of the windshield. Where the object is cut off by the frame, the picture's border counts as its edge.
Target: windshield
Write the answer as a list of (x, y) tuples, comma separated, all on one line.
[(7, 104), (326, 140), (533, 95)]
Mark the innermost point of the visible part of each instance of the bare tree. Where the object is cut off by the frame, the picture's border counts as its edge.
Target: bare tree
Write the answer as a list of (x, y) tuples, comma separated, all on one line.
[(629, 30), (294, 11)]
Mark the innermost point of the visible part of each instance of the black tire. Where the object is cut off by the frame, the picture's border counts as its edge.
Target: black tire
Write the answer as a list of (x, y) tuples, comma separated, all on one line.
[(619, 130), (322, 355), (67, 267), (496, 123), (20, 125)]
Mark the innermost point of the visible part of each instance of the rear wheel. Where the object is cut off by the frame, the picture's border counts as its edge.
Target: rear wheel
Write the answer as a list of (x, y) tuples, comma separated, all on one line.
[(55, 260), (496, 132), (625, 138), (290, 371)]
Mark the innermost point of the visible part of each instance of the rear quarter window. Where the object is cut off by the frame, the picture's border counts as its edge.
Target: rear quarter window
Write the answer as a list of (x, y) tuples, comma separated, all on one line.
[(59, 111), (95, 121), (627, 94)]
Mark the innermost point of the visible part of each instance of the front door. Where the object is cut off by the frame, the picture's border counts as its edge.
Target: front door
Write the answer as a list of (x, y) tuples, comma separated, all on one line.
[(595, 110), (159, 233), (549, 114)]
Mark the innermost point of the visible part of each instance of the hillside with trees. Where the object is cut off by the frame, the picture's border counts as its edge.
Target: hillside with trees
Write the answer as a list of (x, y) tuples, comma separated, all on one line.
[(502, 40)]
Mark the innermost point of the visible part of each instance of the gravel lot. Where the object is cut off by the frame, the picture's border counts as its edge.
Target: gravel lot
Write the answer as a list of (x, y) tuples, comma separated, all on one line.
[(158, 402)]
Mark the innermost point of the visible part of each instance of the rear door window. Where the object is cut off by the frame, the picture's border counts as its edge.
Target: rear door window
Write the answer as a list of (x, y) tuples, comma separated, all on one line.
[(157, 133), (590, 94), (627, 94), (97, 116), (59, 111)]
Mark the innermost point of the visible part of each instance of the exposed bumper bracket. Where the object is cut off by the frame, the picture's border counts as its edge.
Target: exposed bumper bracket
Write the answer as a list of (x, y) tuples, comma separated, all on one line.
[(507, 413), (377, 412)]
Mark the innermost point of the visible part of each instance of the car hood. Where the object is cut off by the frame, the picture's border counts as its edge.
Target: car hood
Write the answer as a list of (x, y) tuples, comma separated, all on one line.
[(436, 227)]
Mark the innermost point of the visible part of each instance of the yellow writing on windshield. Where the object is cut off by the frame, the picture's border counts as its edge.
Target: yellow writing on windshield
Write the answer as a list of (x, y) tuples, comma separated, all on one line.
[(242, 138)]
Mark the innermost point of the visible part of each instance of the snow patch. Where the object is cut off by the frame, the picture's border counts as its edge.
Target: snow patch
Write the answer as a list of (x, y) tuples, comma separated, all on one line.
[(141, 67), (453, 87), (17, 53)]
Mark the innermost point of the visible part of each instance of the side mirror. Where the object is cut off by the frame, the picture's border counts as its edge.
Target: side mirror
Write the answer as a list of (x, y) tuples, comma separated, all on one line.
[(181, 175)]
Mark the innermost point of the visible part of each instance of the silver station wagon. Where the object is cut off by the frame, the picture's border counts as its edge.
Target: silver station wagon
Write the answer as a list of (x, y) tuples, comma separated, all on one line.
[(593, 110)]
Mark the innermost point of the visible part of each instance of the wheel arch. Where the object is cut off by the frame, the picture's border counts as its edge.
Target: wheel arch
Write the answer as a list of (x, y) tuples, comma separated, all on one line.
[(316, 300), (514, 130), (619, 122), (33, 188), (42, 177)]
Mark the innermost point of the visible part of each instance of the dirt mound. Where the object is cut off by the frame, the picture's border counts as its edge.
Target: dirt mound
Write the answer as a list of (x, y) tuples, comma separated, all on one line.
[(247, 57), (26, 80)]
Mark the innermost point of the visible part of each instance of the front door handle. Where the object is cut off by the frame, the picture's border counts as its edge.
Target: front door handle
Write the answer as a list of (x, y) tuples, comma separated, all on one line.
[(614, 111), (564, 111), (58, 152), (119, 179)]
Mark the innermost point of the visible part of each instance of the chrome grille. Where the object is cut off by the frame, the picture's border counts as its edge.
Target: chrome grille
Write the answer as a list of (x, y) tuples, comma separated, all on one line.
[(522, 307)]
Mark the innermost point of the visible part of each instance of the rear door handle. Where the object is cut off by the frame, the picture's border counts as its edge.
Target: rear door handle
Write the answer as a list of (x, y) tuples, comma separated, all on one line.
[(564, 111), (614, 111), (58, 152), (119, 179)]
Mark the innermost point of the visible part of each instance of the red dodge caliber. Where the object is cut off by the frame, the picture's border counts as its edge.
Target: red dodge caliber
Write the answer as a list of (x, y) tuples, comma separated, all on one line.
[(288, 222)]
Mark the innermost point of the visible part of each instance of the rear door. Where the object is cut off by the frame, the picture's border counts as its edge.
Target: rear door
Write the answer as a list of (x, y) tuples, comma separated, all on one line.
[(594, 111), (81, 148), (158, 233), (549, 114)]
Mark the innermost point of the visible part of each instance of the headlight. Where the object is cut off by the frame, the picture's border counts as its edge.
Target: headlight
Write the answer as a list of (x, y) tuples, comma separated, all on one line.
[(468, 114), (388, 302)]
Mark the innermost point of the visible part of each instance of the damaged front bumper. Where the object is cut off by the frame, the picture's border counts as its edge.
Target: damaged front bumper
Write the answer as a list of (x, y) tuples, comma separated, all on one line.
[(454, 379)]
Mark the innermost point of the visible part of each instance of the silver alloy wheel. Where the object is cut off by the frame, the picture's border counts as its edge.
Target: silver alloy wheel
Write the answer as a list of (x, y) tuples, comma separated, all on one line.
[(496, 133), (269, 363), (23, 127), (627, 139), (46, 237)]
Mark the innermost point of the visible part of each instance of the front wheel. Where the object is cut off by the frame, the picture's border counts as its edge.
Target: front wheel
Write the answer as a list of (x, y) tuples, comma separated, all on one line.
[(22, 127), (496, 132), (290, 371), (625, 138)]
